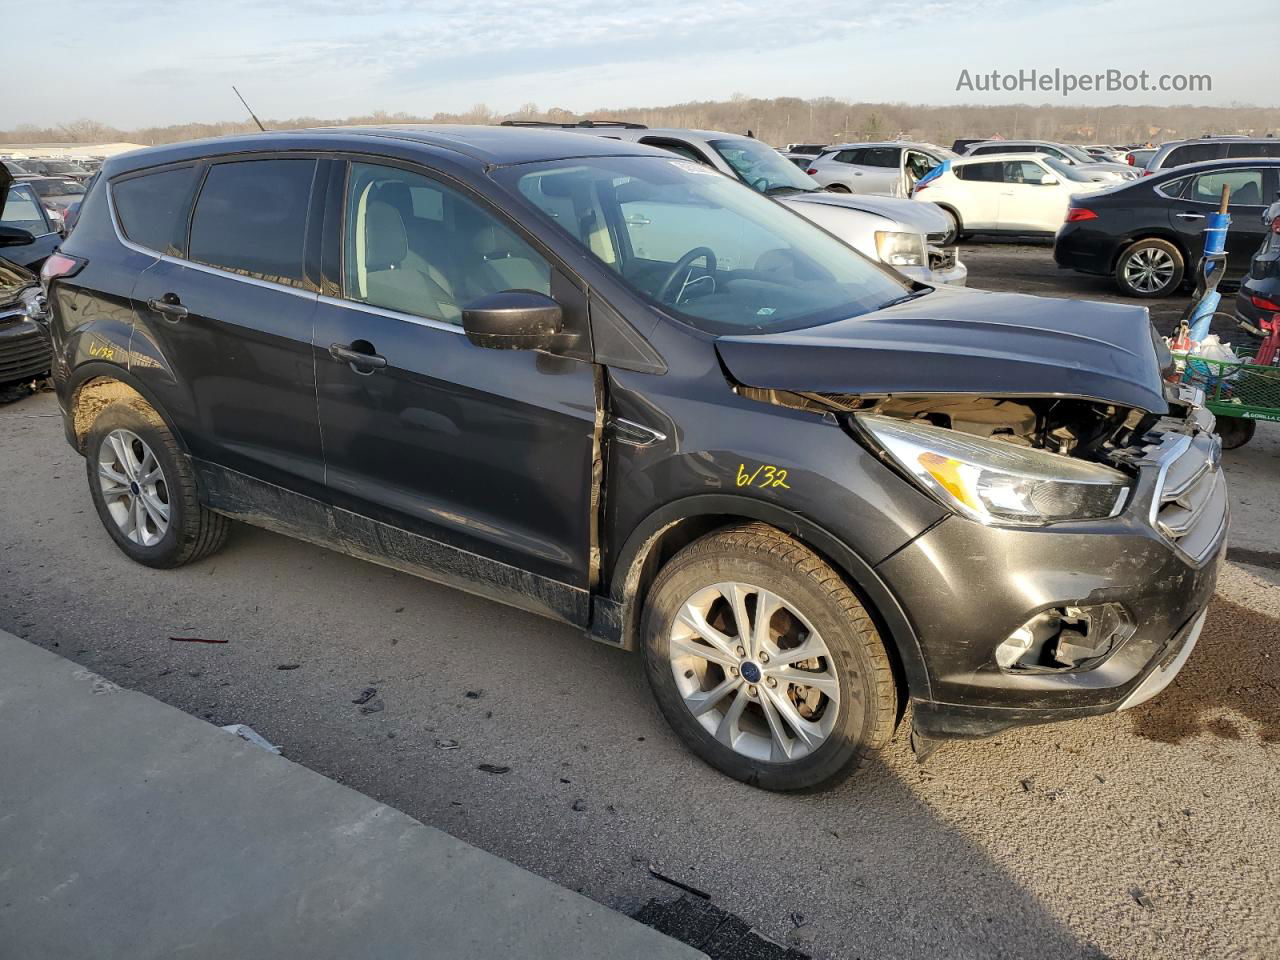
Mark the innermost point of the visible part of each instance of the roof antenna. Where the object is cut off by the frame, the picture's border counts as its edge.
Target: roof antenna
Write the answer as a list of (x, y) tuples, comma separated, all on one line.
[(250, 109)]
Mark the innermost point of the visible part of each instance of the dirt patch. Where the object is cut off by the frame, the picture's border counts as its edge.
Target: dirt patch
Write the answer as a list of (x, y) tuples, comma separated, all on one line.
[(1234, 673)]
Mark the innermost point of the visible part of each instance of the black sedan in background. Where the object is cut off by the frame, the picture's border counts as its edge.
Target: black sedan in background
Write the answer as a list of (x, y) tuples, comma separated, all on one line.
[(1148, 233), (1259, 295)]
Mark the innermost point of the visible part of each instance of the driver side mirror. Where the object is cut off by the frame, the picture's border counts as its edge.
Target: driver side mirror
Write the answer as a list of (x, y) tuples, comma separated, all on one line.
[(1049, 180), (15, 237), (513, 320)]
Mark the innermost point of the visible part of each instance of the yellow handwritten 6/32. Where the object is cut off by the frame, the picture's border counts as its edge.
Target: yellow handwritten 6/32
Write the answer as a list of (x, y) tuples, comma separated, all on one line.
[(765, 475)]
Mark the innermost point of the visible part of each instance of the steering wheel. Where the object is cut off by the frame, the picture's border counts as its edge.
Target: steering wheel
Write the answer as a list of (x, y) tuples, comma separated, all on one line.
[(685, 265)]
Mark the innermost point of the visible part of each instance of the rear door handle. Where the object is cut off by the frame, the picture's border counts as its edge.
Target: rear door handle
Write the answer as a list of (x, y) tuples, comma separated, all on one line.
[(168, 306), (360, 361), (1189, 216)]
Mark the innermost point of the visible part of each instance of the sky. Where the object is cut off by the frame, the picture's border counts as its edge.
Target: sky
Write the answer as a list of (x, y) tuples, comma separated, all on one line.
[(132, 63)]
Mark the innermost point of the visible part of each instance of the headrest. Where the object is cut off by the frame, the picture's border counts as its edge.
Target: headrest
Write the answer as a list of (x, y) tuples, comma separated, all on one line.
[(385, 242)]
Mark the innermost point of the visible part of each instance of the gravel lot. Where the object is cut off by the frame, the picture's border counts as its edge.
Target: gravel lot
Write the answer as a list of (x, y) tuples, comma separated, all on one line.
[(1154, 833)]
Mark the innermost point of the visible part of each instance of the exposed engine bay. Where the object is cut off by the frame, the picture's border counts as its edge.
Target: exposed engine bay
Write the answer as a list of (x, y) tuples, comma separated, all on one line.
[(1069, 426)]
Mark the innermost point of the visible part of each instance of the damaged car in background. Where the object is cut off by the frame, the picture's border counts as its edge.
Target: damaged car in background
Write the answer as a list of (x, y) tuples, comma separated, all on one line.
[(808, 490)]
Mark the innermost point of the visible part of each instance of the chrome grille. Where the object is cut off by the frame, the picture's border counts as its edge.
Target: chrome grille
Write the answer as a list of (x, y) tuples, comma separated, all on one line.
[(1190, 505)]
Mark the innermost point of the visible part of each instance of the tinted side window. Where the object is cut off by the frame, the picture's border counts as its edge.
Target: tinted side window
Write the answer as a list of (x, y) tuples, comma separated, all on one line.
[(982, 172), (1246, 187), (1193, 153), (882, 156), (850, 156), (415, 246), (1266, 149), (149, 207), (251, 218), (1173, 189)]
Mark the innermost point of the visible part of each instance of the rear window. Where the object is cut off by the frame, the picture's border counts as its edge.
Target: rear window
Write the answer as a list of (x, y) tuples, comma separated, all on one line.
[(150, 206), (882, 157), (982, 172), (251, 218), (1245, 185)]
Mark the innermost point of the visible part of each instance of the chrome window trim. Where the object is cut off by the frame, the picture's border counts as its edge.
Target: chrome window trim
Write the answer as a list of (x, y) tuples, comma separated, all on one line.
[(428, 322)]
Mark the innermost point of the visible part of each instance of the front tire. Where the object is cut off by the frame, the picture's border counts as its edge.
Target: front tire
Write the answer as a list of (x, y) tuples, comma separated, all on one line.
[(838, 188), (144, 490), (1150, 268), (764, 662)]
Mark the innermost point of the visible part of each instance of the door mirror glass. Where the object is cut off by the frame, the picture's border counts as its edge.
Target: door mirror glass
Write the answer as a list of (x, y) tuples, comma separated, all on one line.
[(513, 320)]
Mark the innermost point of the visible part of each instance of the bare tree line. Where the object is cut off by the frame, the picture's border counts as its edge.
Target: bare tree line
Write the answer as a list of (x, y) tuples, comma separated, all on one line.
[(777, 121)]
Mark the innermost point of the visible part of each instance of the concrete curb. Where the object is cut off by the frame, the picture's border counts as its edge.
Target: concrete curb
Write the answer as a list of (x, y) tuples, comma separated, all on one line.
[(130, 829)]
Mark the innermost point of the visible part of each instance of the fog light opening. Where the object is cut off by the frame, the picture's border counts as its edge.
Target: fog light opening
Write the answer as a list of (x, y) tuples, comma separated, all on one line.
[(1070, 637)]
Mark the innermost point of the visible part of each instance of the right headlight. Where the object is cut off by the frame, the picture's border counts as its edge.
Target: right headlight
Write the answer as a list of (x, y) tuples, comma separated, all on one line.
[(996, 482)]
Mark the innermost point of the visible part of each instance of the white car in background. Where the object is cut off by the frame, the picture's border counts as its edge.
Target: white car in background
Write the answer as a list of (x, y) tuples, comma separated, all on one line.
[(890, 168), (1011, 193), (1065, 153), (894, 231)]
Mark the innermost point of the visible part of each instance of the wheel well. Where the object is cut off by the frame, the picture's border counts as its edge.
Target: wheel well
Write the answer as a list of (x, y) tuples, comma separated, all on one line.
[(669, 540), (91, 397), (955, 213)]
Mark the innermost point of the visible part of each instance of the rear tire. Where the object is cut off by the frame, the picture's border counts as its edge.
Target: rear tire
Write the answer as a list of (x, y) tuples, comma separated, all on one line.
[(1150, 268), (767, 717), (144, 490)]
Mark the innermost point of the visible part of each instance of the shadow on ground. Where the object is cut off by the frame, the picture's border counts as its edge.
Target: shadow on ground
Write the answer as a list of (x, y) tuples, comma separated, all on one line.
[(1234, 670)]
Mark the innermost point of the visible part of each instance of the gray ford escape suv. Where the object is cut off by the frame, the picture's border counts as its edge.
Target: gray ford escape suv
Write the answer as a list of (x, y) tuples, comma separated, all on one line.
[(808, 490)]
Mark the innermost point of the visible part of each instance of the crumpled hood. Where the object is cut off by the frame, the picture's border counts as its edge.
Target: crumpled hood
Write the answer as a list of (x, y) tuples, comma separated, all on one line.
[(965, 341), (917, 216)]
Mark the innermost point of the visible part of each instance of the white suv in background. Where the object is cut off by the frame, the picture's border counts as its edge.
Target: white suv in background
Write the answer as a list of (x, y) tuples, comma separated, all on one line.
[(1066, 153), (890, 168), (910, 237), (1010, 193)]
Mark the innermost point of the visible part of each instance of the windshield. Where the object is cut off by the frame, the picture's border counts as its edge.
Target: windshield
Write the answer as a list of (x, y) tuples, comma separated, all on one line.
[(762, 167), (1076, 154), (1065, 170), (22, 210), (15, 167), (723, 258), (57, 188)]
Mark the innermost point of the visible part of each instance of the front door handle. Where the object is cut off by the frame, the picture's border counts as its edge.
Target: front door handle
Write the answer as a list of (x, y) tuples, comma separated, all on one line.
[(360, 360), (169, 307), (1189, 216)]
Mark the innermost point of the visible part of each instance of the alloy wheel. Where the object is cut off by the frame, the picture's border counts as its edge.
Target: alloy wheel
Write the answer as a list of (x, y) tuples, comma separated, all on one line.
[(1149, 270), (753, 672), (133, 487)]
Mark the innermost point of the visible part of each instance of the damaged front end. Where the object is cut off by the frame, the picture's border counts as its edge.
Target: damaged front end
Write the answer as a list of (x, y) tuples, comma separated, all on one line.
[(1023, 629)]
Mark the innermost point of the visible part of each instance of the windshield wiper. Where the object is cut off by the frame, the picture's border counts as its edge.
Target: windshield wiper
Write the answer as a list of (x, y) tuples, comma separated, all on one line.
[(905, 297), (781, 189)]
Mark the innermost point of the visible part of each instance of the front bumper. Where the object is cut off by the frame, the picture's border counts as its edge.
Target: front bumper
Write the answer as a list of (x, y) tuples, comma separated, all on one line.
[(966, 587), (25, 352), (944, 267)]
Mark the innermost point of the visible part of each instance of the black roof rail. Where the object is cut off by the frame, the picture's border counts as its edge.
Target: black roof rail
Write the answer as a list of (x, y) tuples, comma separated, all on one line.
[(625, 124), (534, 123)]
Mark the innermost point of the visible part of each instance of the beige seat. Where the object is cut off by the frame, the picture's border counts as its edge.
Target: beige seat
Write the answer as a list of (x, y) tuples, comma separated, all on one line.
[(394, 277)]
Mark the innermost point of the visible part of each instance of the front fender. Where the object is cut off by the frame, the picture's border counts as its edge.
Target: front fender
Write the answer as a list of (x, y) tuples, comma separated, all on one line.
[(883, 606)]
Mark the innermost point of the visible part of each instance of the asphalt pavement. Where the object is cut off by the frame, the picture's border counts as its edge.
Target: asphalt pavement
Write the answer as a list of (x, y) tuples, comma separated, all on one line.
[(1152, 833)]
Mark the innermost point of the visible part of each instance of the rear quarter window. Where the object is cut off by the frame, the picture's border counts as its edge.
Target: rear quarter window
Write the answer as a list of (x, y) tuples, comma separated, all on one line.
[(151, 207)]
